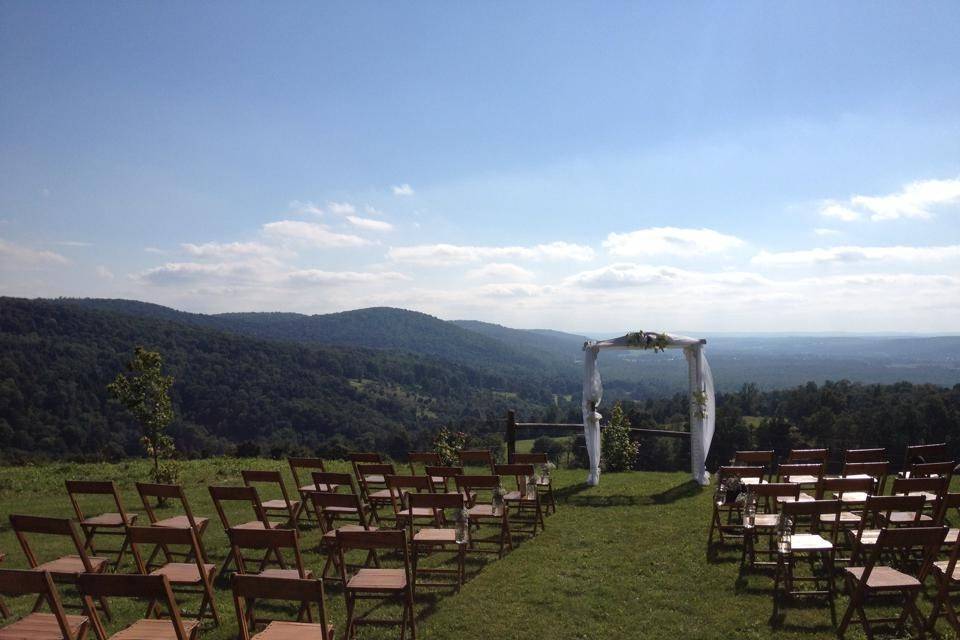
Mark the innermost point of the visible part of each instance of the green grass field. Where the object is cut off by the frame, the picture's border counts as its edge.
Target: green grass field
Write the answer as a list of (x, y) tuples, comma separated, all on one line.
[(626, 559)]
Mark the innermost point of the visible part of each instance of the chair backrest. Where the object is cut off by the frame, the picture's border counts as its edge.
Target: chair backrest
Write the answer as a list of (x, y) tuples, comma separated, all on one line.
[(519, 471), (947, 501), (331, 506), (20, 582), (250, 588), (273, 539), (759, 458), (529, 458), (810, 512), (365, 473), (245, 494), (467, 484), (43, 525), (164, 537), (876, 470), (159, 492), (787, 470), (904, 486), (323, 480), (308, 464), (401, 485), (448, 473), (776, 490), (927, 469), (363, 458), (807, 455), (841, 486), (739, 472), (877, 506), (915, 453), (76, 488), (438, 502), (904, 540), (424, 458), (152, 588), (864, 455), (476, 457)]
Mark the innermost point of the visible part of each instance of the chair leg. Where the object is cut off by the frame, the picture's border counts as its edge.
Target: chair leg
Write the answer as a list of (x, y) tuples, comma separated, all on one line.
[(4, 610), (848, 614), (349, 627)]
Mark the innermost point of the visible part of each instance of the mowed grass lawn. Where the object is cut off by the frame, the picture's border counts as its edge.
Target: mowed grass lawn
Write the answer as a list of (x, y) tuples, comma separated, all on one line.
[(626, 559)]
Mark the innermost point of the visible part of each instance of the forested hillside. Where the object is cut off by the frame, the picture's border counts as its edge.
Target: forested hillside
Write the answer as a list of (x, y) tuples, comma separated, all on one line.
[(57, 357)]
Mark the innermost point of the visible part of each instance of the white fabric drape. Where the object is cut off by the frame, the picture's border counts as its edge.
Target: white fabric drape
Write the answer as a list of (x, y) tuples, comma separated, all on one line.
[(592, 394), (702, 401)]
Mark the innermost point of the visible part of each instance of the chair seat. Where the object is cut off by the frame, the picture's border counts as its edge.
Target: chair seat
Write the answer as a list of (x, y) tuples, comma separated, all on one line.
[(809, 542), (869, 536), (543, 482), (435, 535), (153, 630), (343, 509), (382, 494), (904, 517), (802, 479), (418, 512), (436, 480), (256, 524), (109, 520), (378, 580), (942, 565), (375, 479), (180, 522), (846, 517), (766, 520), (292, 574), (40, 626), (515, 496), (851, 497), (929, 497), (71, 565), (184, 572), (952, 535), (280, 504), (885, 578), (283, 630), (332, 534), (482, 511), (329, 488), (804, 497)]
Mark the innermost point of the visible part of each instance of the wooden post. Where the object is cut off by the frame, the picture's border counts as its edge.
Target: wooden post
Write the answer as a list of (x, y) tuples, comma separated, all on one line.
[(511, 434)]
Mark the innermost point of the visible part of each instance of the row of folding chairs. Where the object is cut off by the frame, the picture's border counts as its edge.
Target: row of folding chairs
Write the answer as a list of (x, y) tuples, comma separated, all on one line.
[(915, 456), (157, 590)]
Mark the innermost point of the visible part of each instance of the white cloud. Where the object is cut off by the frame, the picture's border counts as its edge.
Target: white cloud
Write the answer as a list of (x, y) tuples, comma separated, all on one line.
[(373, 211), (72, 243), (851, 254), (16, 256), (306, 207), (833, 209), (104, 273), (403, 190), (441, 255), (321, 277), (341, 208), (630, 275), (186, 272), (500, 270), (823, 231), (369, 224), (513, 290), (313, 234), (227, 249), (155, 251), (913, 201), (669, 241)]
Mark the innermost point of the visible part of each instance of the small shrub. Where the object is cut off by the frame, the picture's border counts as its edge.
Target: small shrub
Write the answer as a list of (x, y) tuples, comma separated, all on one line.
[(618, 451)]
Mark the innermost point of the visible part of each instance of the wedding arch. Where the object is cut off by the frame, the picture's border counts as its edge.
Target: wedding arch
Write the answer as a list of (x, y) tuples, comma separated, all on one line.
[(702, 399)]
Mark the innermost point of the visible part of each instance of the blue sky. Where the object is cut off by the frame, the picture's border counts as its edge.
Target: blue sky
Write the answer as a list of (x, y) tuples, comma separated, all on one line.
[(589, 167)]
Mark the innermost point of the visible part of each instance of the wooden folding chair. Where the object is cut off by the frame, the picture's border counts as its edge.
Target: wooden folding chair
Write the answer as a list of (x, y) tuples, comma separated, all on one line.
[(477, 458), (105, 524), (920, 453), (280, 507), (270, 541), (353, 509), (768, 500), (544, 481), (173, 492), (483, 512), (943, 469), (64, 568), (441, 537), (806, 474), (308, 465), (526, 497), (151, 588), (807, 455), (380, 584), (813, 528), (755, 459), (185, 577), (876, 513), (878, 472), (366, 458), (875, 579), (865, 455), (338, 511), (945, 572), (56, 625), (852, 494), (424, 459), (730, 528), (931, 489), (370, 478), (400, 487), (249, 589), (244, 495)]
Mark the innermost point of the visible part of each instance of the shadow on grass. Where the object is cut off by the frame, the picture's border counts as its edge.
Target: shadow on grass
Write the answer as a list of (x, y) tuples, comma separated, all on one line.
[(570, 495)]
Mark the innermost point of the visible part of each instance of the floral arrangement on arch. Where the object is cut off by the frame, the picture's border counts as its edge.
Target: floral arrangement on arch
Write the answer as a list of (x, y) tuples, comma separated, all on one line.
[(648, 340)]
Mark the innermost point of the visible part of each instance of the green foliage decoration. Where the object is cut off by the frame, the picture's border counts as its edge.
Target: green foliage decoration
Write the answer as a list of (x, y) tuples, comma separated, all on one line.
[(618, 451), (446, 443), (648, 340)]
